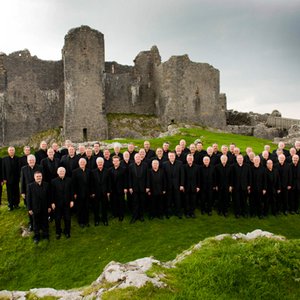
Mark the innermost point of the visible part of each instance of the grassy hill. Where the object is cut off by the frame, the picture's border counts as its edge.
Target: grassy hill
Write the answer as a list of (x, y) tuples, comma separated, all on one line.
[(76, 262)]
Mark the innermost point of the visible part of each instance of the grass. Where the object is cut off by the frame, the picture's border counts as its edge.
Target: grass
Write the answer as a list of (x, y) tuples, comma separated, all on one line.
[(77, 262), (230, 269)]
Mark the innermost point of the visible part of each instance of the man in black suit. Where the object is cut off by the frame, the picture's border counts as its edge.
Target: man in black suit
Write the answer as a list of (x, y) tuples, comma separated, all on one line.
[(11, 177), (179, 154), (149, 152), (107, 159), (62, 201), (64, 151), (240, 184), (131, 150), (50, 165), (166, 150), (90, 159), (117, 151), (38, 205), (118, 181), (222, 181), (70, 161), (41, 153), (273, 188), (81, 190), (137, 183), (207, 180), (100, 190), (295, 190), (191, 184), (159, 157), (258, 188), (156, 187), (97, 151), (174, 172), (23, 159), (199, 154), (285, 174), (281, 146), (27, 177), (57, 153)]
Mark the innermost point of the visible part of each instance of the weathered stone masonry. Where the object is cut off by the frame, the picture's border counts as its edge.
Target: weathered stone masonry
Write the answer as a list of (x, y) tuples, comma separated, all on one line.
[(79, 91)]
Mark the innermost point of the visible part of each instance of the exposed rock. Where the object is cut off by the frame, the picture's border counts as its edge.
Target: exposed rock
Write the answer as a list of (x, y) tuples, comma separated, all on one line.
[(25, 231), (131, 274), (241, 129), (276, 113), (172, 130), (264, 132)]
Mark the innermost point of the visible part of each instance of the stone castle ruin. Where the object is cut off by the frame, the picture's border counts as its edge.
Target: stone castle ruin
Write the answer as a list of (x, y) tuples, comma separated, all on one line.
[(79, 91)]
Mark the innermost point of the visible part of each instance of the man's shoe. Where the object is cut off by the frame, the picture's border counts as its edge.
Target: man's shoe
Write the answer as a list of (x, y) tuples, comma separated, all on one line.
[(193, 216), (57, 236), (36, 241), (142, 219), (105, 223), (10, 208), (132, 220), (121, 219), (68, 235), (81, 225), (97, 223)]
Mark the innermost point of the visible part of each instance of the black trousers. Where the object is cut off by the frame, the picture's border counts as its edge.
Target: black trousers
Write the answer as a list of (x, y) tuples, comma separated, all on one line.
[(138, 205), (117, 204), (40, 223), (174, 201), (100, 203), (83, 209), (271, 203), (223, 200), (239, 198), (65, 214), (294, 200), (283, 199), (256, 203), (190, 202), (13, 194), (206, 200), (156, 205)]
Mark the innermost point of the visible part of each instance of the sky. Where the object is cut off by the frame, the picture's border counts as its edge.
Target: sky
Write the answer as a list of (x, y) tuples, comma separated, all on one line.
[(254, 43)]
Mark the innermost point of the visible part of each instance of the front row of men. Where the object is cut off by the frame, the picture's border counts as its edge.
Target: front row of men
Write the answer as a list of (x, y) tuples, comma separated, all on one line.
[(164, 190)]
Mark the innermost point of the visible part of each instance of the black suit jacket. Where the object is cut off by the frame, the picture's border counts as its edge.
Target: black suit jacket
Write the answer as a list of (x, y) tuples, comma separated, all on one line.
[(190, 177), (39, 155), (156, 182), (49, 168), (173, 174), (61, 192), (118, 179), (272, 180), (258, 179), (11, 169), (81, 182), (207, 177), (240, 177), (27, 176), (137, 177), (100, 182), (38, 197), (285, 174), (295, 172), (222, 176), (69, 163)]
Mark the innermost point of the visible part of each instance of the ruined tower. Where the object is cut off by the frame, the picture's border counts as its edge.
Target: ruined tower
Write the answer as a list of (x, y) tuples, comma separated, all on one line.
[(84, 65)]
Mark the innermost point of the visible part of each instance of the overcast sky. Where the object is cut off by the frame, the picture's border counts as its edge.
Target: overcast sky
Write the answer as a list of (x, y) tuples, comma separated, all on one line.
[(254, 43)]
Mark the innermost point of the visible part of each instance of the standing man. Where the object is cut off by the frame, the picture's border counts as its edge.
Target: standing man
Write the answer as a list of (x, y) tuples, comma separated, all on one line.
[(11, 177), (118, 181), (50, 165), (38, 199), (273, 188), (173, 171), (27, 177), (100, 190), (240, 184), (295, 191), (285, 174), (23, 159), (69, 161), (149, 152), (41, 153), (191, 184), (222, 177), (97, 151), (81, 190), (258, 189), (207, 180), (137, 183), (156, 187), (62, 201)]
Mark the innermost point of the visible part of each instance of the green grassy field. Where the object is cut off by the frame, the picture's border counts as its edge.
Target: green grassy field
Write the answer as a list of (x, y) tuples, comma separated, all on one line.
[(76, 262)]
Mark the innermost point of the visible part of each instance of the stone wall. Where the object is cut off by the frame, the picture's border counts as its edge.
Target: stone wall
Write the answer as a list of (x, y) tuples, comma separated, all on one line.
[(79, 91), (84, 108), (31, 96), (189, 92)]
